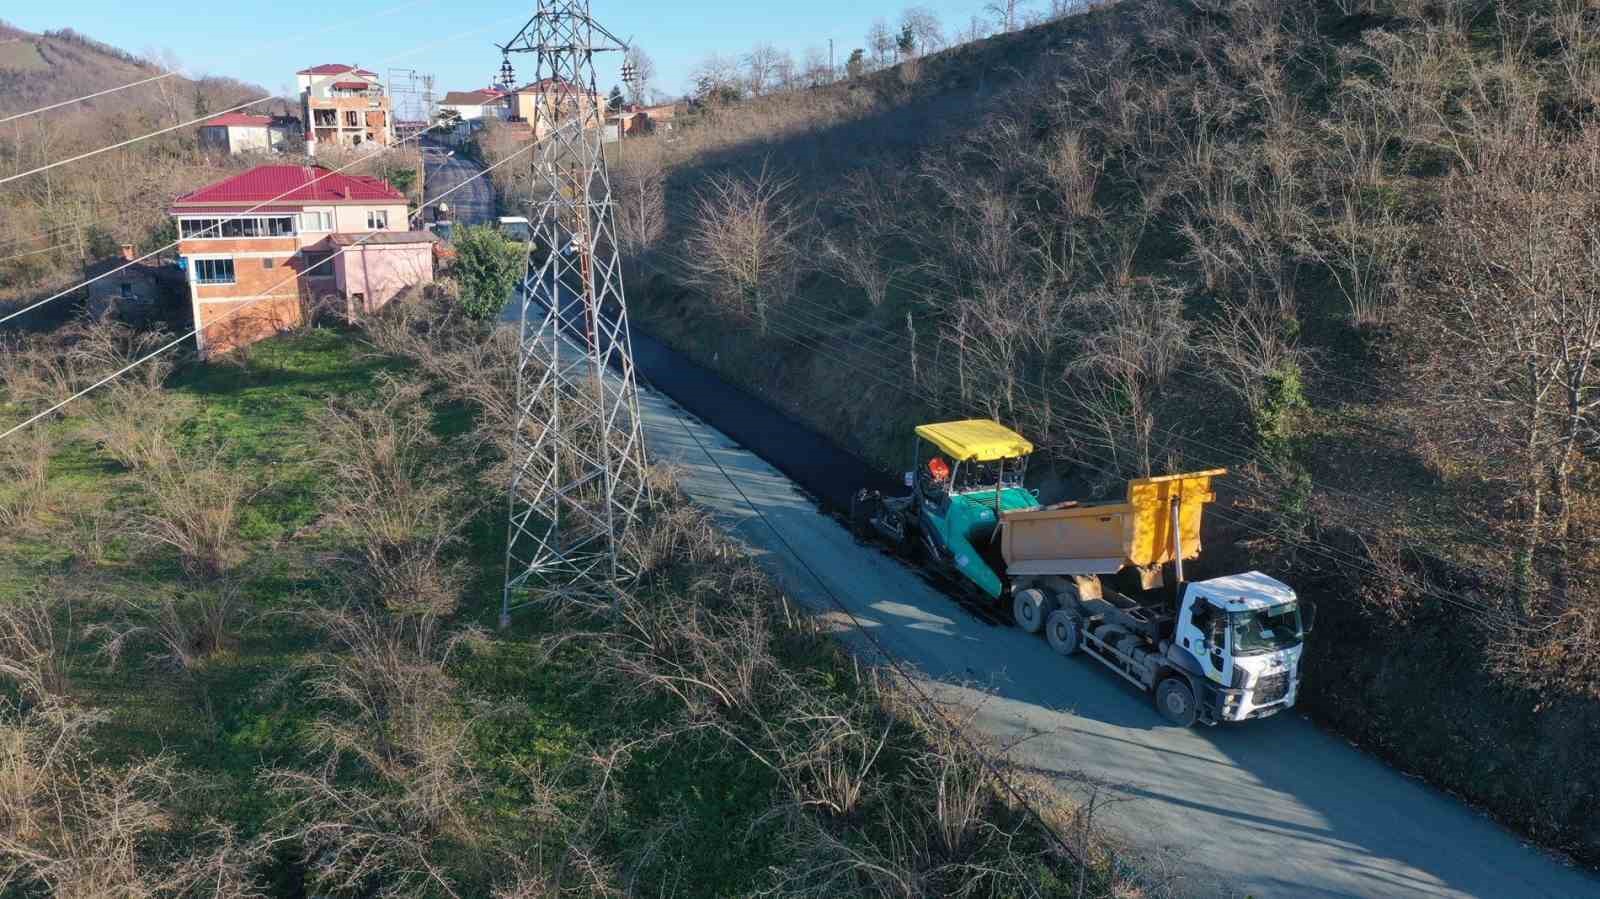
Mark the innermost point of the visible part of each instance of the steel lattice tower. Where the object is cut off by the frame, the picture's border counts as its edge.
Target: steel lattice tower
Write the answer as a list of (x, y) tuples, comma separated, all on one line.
[(580, 476)]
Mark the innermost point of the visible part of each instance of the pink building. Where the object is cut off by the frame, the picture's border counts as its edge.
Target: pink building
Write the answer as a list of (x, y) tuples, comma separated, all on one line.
[(374, 268)]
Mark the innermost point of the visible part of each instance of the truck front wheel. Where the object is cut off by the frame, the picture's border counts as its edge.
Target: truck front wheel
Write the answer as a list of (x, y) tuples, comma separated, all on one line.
[(1176, 703), (1062, 630), (1030, 607)]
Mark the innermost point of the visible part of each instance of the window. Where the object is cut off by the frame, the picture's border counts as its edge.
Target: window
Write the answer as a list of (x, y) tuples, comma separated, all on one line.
[(316, 221), (352, 119), (211, 229), (195, 229), (318, 264), (377, 219), (267, 263), (125, 290), (213, 271)]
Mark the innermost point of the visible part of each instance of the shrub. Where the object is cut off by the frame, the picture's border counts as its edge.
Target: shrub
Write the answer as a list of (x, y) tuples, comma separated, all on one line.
[(488, 268), (194, 503)]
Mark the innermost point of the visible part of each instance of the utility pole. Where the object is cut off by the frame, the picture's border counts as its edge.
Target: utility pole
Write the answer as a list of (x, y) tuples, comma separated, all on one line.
[(832, 76), (579, 481)]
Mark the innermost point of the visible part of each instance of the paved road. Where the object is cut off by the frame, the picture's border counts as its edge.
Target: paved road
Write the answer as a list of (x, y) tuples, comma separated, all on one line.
[(471, 205), (1271, 808)]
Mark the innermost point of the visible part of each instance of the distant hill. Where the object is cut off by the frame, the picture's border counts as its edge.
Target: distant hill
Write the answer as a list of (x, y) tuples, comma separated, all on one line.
[(39, 69)]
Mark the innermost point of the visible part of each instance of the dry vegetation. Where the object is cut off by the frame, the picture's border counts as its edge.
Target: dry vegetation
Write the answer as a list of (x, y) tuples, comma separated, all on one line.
[(238, 684), (1345, 249), (55, 223)]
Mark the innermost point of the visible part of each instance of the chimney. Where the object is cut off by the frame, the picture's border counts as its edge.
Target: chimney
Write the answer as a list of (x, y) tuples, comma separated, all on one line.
[(128, 252)]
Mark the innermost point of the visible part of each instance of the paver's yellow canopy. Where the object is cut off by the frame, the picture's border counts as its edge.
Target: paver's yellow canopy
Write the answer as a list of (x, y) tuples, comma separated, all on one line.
[(976, 440)]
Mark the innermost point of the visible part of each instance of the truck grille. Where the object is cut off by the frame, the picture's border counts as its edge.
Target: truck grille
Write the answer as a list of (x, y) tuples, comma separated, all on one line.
[(1271, 688)]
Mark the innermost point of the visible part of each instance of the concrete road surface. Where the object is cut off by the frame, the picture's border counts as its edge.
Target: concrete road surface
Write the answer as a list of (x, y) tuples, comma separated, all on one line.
[(471, 205), (1270, 808)]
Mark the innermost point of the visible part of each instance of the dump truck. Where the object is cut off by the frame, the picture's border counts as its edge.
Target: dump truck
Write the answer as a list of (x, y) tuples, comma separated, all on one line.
[(1222, 649)]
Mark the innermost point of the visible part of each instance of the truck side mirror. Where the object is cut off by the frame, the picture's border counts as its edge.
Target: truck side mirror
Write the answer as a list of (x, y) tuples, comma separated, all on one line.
[(1308, 617), (911, 479)]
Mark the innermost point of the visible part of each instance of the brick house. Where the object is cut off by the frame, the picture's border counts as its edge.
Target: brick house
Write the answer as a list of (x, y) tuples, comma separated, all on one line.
[(344, 106), (639, 119), (237, 132), (321, 240)]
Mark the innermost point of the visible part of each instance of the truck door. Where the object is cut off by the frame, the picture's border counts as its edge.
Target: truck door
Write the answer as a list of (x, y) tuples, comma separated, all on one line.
[(1203, 631)]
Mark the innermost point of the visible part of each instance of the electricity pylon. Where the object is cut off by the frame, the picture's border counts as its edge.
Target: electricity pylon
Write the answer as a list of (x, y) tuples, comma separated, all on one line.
[(579, 481)]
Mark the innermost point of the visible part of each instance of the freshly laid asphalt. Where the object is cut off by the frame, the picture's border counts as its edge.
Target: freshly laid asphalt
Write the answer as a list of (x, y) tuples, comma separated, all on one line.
[(472, 204)]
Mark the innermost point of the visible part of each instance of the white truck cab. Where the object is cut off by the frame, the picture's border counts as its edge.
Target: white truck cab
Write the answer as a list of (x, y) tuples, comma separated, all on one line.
[(1245, 632)]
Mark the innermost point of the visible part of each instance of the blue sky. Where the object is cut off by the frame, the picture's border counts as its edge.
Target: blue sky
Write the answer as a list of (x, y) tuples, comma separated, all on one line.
[(265, 43)]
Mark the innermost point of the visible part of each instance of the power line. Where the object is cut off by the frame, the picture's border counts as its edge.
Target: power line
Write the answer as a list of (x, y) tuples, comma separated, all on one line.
[(58, 246), (926, 700), (162, 249), (109, 90), (44, 234), (889, 340), (1321, 549), (250, 55), (133, 140), (926, 395), (237, 311), (217, 228)]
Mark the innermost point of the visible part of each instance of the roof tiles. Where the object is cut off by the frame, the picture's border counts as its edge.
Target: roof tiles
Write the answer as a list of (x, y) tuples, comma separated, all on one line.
[(292, 184)]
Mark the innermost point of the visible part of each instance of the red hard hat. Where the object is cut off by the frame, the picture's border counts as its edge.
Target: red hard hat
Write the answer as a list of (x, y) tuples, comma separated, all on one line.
[(939, 468)]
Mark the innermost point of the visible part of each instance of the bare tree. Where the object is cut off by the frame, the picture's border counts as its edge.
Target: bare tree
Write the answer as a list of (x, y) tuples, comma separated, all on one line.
[(644, 73), (1511, 284), (1004, 13), (761, 68), (923, 25), (400, 723), (391, 500), (1124, 365), (815, 69), (715, 76), (1250, 349), (640, 191), (881, 43), (746, 243)]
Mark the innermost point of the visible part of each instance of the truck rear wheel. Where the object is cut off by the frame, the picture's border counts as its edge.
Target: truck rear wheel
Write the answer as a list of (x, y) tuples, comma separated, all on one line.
[(1064, 632), (1030, 607), (1176, 703)]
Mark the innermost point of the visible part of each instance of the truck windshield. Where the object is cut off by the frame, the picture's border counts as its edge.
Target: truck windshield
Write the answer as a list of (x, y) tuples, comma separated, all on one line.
[(1265, 630)]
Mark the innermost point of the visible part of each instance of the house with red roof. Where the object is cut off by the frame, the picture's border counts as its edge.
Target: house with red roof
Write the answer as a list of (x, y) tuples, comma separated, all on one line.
[(239, 132), (344, 106), (265, 249), (467, 111)]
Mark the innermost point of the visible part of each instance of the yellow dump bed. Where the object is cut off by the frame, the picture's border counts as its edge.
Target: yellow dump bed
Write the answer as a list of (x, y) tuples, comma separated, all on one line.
[(1107, 537)]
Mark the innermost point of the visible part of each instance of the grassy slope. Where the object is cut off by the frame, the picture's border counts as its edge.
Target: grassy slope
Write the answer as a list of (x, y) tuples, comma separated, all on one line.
[(699, 801), (1422, 694)]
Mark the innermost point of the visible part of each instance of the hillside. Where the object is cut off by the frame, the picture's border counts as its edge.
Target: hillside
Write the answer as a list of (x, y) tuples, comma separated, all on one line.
[(40, 69), (53, 223), (1339, 248)]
